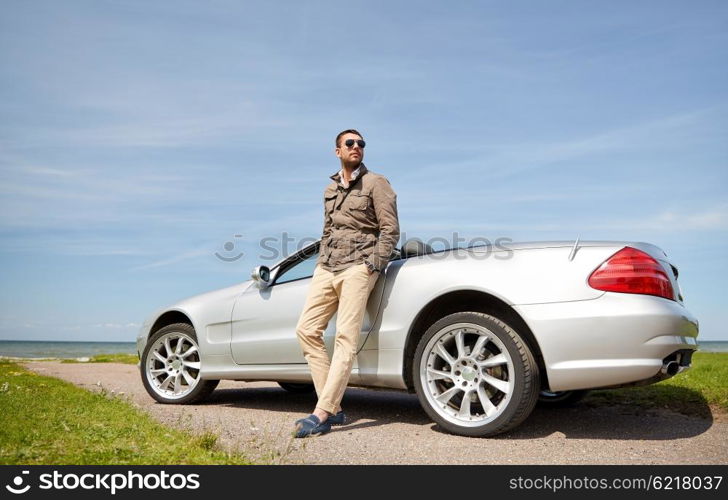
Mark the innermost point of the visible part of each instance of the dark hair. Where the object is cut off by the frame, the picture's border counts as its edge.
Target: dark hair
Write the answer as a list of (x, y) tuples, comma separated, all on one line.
[(347, 131)]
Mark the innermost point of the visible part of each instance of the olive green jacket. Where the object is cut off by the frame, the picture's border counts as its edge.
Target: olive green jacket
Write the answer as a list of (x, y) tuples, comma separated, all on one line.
[(360, 222)]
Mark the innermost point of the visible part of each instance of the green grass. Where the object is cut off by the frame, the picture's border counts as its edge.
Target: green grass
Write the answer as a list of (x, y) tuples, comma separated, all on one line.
[(48, 421), (696, 392), (127, 359)]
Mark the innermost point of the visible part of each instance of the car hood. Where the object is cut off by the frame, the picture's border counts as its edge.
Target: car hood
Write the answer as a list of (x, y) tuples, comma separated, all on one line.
[(211, 296), (185, 304)]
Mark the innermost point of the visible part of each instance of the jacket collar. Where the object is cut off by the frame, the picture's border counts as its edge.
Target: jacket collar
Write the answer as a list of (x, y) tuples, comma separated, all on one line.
[(362, 169)]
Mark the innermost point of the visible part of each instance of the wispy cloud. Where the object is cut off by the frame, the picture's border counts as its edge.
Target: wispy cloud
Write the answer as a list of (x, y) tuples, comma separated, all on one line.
[(667, 221), (115, 325), (49, 326), (715, 219), (174, 259), (662, 134)]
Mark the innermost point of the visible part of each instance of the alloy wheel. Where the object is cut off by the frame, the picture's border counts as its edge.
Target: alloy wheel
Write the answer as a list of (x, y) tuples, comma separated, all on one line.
[(173, 365), (468, 374)]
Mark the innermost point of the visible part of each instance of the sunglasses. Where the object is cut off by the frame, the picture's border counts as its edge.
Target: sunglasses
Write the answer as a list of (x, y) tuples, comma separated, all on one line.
[(349, 143)]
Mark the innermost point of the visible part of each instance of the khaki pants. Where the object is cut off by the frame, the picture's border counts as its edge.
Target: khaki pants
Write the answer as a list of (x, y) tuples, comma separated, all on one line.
[(348, 290)]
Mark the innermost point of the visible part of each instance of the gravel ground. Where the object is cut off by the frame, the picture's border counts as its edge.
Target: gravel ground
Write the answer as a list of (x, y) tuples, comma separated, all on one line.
[(389, 427)]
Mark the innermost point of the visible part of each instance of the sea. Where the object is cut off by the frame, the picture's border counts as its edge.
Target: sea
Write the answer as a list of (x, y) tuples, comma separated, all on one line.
[(35, 349), (74, 350)]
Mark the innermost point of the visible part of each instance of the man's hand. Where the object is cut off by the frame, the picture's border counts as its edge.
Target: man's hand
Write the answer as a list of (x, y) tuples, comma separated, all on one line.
[(370, 268)]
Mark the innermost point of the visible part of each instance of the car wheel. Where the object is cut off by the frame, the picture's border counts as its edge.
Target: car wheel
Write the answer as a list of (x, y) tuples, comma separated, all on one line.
[(474, 375), (548, 399), (294, 388), (170, 366)]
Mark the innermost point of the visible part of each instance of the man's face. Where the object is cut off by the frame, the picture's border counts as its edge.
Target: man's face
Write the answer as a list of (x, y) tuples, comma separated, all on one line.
[(350, 155)]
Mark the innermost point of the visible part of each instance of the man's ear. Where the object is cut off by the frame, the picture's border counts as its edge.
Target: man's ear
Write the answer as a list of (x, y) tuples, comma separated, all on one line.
[(337, 151)]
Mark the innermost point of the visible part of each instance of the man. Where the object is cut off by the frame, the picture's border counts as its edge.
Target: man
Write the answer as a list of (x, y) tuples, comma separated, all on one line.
[(361, 228)]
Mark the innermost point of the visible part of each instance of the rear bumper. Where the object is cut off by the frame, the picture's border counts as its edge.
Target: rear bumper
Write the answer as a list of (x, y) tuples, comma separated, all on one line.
[(614, 340)]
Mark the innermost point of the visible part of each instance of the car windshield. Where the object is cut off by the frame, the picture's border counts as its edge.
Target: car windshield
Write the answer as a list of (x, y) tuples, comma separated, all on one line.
[(302, 269)]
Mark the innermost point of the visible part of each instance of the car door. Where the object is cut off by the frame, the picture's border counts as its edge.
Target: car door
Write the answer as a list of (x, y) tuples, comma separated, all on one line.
[(264, 320)]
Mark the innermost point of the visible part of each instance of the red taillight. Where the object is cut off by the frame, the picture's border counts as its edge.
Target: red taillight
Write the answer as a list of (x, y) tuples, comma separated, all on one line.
[(632, 271)]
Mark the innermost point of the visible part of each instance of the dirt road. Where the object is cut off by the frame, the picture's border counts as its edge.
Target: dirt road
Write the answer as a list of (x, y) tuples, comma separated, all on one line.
[(391, 428)]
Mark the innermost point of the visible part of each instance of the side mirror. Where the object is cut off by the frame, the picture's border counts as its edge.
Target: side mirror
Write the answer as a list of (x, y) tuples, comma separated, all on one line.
[(261, 275)]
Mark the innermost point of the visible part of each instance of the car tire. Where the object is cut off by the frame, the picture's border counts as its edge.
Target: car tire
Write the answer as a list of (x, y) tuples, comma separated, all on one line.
[(296, 388), (170, 366), (562, 399), (475, 375)]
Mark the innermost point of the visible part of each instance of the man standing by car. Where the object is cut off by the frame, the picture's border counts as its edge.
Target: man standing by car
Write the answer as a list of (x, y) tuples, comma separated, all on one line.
[(361, 229)]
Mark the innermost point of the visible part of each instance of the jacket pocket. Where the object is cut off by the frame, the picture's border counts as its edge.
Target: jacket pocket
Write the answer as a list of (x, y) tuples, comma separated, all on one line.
[(359, 201), (329, 203)]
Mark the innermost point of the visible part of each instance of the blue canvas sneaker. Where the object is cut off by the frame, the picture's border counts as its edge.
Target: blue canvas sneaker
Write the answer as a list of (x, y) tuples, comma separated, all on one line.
[(338, 419), (311, 426)]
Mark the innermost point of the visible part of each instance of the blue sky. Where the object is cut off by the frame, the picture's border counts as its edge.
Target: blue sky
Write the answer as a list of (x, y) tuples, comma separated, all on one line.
[(137, 138)]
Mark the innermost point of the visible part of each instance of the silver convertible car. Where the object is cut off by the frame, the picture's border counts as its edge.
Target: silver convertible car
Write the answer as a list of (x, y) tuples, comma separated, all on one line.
[(481, 334)]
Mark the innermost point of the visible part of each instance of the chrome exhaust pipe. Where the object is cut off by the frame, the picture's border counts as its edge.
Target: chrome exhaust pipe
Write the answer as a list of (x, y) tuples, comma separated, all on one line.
[(670, 368)]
